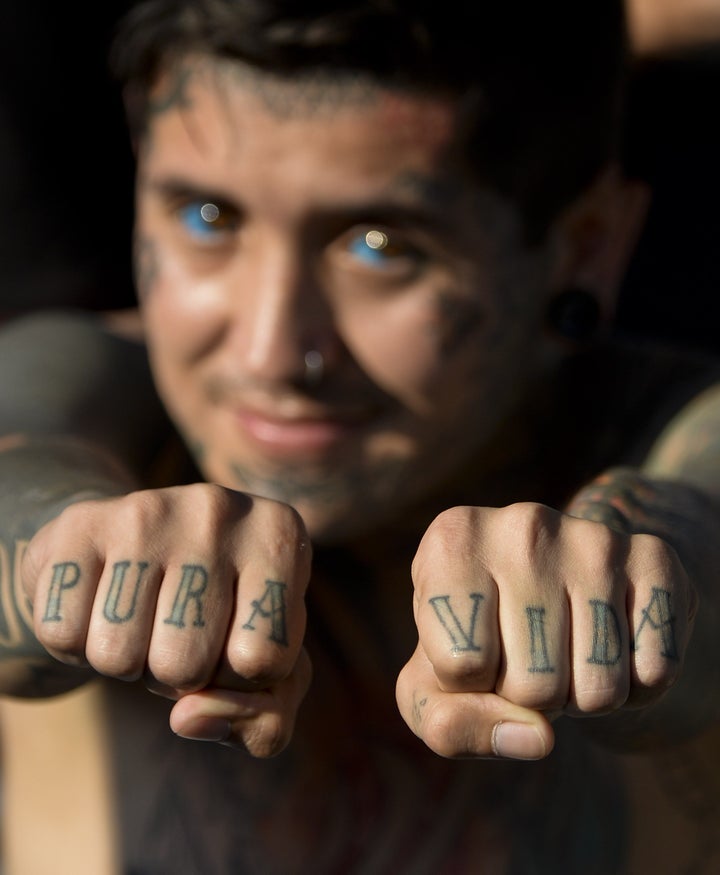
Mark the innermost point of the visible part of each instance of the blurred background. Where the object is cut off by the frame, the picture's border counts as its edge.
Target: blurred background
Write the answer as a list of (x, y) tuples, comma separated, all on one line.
[(66, 166), (672, 290), (65, 161)]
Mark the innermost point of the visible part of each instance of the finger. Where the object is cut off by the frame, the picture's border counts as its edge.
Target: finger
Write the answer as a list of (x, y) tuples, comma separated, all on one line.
[(268, 623), (456, 602), (190, 624), (535, 631), (122, 618), (661, 615), (259, 722), (60, 573), (594, 562), (533, 612), (482, 725)]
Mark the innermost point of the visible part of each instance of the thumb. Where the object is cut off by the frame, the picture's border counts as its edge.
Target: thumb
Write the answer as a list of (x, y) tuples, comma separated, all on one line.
[(468, 724)]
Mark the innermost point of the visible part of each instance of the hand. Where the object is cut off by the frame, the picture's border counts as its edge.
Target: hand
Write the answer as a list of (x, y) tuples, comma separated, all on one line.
[(197, 589), (523, 614)]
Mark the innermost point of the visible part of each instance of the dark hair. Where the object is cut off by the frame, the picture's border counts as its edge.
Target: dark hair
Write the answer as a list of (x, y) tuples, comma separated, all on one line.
[(545, 79)]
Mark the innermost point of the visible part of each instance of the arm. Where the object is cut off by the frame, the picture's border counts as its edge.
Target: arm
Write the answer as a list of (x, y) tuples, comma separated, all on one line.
[(40, 477), (66, 387), (675, 496)]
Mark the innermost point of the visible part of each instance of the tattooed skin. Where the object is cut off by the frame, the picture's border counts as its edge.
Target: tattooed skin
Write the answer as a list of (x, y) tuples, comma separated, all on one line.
[(15, 617), (539, 660), (459, 321), (607, 640), (630, 502), (316, 93), (188, 608), (69, 473), (463, 639), (460, 622)]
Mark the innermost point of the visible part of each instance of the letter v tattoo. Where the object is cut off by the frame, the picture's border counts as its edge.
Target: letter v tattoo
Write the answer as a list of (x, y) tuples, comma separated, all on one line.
[(462, 640)]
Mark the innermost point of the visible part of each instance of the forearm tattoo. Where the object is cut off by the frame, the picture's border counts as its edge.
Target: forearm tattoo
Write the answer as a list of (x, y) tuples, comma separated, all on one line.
[(15, 613), (40, 478)]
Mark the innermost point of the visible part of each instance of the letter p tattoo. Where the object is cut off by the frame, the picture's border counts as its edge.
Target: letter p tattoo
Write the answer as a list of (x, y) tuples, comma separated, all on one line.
[(65, 576)]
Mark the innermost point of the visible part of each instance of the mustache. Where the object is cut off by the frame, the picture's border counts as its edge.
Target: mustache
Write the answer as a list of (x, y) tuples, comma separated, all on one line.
[(359, 392)]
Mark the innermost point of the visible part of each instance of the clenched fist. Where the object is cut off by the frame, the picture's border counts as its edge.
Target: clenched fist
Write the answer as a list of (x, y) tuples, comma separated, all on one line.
[(524, 613), (197, 589)]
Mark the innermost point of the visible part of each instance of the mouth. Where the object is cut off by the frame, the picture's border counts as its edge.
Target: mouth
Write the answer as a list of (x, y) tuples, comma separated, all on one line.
[(293, 436), (278, 421), (301, 429)]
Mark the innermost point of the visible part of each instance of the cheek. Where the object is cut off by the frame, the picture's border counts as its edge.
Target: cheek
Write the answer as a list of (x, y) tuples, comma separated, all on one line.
[(410, 346), (184, 314)]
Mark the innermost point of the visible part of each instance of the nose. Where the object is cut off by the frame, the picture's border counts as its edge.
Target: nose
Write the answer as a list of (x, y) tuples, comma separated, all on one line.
[(282, 314)]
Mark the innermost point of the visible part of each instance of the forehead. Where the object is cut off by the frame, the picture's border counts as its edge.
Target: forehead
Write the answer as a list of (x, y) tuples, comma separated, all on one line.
[(224, 120)]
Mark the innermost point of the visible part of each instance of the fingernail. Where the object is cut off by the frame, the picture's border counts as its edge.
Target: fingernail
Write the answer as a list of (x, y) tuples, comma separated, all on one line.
[(207, 729), (517, 741)]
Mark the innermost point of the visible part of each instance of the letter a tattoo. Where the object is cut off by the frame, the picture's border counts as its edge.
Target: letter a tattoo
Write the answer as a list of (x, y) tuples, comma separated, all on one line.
[(275, 594), (462, 640), (658, 614)]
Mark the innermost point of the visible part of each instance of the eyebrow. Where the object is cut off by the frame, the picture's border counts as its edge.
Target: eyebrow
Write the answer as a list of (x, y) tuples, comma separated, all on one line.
[(175, 188), (426, 212)]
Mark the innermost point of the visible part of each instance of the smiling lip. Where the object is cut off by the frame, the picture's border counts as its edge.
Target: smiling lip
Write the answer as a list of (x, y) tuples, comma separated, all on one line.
[(299, 436)]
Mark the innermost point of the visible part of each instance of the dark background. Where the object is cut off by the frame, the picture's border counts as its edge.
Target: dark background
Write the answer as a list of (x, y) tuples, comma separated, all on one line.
[(65, 159), (672, 289)]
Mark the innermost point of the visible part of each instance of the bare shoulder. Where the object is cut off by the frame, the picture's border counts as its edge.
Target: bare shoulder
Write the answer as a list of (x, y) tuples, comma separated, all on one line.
[(74, 372)]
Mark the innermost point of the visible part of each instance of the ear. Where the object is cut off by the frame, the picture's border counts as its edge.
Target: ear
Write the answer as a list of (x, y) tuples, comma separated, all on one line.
[(595, 237)]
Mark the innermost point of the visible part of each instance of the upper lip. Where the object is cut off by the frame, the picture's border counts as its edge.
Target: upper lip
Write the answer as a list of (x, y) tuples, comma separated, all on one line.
[(294, 410)]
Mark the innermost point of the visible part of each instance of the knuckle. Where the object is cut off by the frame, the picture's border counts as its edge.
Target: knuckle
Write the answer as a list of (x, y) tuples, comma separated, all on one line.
[(178, 671), (547, 694), (656, 559), (284, 533), (655, 672), (266, 736), (444, 728), (64, 642), (601, 546), (527, 526), (599, 700), (111, 659), (260, 665), (138, 516), (449, 538), (206, 511), (464, 671)]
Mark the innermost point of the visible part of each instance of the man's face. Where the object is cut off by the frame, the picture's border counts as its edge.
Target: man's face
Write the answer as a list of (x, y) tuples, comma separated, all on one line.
[(278, 218)]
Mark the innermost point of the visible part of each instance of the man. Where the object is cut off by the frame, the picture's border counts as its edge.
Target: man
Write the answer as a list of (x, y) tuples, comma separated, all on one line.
[(375, 251)]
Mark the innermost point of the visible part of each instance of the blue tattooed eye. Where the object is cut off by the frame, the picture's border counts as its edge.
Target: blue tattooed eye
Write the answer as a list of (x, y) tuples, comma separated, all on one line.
[(206, 220), (375, 249)]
